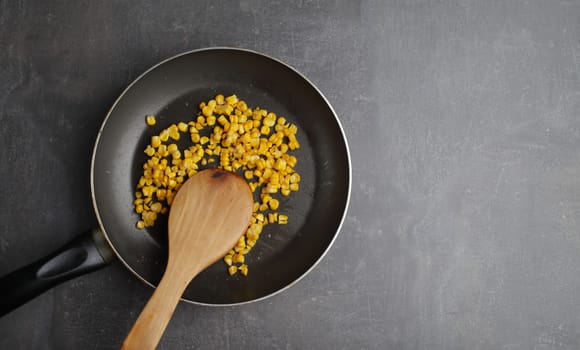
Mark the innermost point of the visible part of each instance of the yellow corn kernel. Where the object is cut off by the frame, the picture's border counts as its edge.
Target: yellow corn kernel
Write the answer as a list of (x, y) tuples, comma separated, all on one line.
[(195, 138), (280, 164), (256, 206), (272, 218), (238, 258), (150, 151), (233, 99), (162, 151), (273, 203), (147, 191), (294, 178), (156, 207), (207, 111), (164, 135), (228, 259), (174, 134), (292, 161), (222, 120), (155, 141), (272, 188), (248, 174), (294, 187), (170, 196), (244, 269), (253, 186), (285, 192), (232, 270), (182, 127), (257, 228), (282, 219), (211, 120), (203, 140), (292, 129), (251, 235), (140, 224), (150, 120), (267, 173), (160, 194)]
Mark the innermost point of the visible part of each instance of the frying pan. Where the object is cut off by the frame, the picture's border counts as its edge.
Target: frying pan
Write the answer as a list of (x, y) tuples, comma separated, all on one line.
[(171, 90)]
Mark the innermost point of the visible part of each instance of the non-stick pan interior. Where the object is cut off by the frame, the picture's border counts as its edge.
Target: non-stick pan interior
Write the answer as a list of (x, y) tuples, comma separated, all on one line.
[(172, 91)]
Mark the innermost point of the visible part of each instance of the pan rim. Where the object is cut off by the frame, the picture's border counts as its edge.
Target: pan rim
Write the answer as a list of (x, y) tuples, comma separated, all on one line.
[(216, 48)]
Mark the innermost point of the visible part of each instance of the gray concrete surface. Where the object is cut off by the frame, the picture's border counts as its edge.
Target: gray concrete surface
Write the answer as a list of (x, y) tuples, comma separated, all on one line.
[(464, 126)]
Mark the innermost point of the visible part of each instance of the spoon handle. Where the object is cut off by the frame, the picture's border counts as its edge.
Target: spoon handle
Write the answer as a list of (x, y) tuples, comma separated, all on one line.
[(153, 320)]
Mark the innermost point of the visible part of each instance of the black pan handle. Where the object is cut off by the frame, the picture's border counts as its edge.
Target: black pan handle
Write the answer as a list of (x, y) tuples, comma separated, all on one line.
[(86, 253)]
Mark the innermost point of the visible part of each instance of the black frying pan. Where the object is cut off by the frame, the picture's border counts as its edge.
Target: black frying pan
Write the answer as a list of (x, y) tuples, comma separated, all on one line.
[(171, 91)]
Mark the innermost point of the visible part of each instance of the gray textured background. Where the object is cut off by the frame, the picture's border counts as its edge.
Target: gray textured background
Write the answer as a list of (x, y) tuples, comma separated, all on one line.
[(464, 126)]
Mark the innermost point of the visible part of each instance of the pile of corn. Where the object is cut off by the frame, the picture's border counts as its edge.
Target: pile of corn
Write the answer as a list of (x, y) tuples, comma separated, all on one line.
[(252, 142)]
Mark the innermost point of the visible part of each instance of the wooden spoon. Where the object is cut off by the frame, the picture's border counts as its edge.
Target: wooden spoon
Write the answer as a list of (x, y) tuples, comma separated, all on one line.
[(208, 215)]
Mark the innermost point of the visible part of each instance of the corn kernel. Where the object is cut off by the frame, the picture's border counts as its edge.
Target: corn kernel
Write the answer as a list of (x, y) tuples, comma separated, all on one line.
[(150, 151), (155, 141), (232, 270), (156, 207), (232, 99), (174, 134), (272, 218), (282, 219), (207, 111), (228, 259), (182, 127), (164, 135), (280, 164), (244, 269), (273, 203), (150, 120)]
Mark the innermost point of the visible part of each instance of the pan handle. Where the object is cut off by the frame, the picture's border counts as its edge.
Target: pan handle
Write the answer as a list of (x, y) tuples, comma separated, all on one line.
[(86, 253)]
